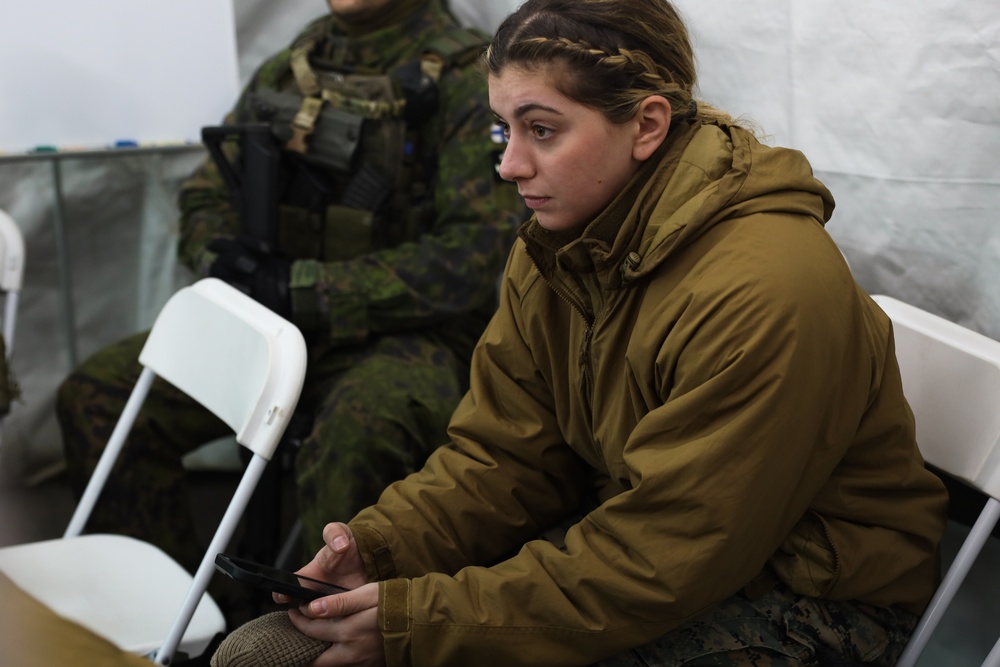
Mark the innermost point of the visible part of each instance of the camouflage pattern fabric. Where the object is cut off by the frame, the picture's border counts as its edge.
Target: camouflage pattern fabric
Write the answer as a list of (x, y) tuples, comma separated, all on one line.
[(768, 625), (779, 629), (390, 330), (379, 409)]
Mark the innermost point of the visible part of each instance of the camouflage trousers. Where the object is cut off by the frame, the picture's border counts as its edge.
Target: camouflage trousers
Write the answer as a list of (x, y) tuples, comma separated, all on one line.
[(779, 629), (377, 412)]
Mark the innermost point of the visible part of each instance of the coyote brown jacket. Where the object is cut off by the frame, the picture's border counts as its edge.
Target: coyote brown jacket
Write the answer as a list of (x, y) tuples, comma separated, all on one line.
[(702, 358)]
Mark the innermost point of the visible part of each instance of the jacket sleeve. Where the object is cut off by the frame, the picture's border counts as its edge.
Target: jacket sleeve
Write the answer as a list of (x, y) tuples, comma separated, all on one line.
[(506, 475), (453, 268), (755, 410)]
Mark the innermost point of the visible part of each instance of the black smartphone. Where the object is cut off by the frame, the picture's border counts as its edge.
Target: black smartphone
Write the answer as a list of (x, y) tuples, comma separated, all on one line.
[(273, 579)]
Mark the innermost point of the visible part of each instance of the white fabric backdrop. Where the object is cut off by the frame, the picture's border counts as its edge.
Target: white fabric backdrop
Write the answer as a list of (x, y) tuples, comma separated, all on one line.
[(896, 104), (77, 56)]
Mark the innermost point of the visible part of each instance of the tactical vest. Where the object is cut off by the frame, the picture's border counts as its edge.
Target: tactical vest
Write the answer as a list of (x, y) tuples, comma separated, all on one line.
[(356, 167)]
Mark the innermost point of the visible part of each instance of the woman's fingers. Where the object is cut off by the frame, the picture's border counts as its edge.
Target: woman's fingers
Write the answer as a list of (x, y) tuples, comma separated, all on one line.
[(344, 604), (337, 562)]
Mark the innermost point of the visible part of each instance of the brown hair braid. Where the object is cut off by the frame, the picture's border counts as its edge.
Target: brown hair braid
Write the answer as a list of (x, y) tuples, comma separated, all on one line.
[(613, 54)]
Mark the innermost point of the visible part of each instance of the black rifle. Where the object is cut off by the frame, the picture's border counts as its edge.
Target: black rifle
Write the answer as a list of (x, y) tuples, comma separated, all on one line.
[(254, 186)]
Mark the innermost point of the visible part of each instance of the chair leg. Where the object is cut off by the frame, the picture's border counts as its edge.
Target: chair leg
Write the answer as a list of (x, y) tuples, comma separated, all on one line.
[(110, 454), (262, 523), (952, 580), (222, 537), (261, 540), (993, 659)]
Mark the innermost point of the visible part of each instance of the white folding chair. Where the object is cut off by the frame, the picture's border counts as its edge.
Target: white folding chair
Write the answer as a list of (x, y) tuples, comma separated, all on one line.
[(11, 275), (951, 379), (245, 364)]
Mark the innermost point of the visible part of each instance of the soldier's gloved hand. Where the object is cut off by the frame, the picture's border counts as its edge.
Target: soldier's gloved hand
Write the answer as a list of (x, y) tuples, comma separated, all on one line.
[(263, 277)]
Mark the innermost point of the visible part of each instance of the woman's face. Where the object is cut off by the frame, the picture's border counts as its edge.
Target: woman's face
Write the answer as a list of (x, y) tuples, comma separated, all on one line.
[(567, 159)]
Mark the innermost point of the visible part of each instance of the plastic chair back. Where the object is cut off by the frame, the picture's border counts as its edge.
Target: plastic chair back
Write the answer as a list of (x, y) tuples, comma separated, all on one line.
[(951, 379), (11, 276)]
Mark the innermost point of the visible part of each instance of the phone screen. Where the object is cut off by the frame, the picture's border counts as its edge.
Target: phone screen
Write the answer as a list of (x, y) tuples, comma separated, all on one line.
[(275, 580)]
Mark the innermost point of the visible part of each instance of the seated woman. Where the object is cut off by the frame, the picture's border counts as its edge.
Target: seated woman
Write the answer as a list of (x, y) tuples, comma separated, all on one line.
[(682, 369)]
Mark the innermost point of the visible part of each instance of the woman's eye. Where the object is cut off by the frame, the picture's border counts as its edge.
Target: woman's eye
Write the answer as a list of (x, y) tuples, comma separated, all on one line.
[(540, 132)]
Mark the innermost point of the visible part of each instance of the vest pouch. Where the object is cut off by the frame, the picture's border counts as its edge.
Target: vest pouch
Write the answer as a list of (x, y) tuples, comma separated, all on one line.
[(375, 99), (300, 233), (348, 233), (335, 135), (335, 140)]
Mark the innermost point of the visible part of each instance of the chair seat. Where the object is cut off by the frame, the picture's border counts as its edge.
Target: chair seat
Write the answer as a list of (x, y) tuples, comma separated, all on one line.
[(135, 612)]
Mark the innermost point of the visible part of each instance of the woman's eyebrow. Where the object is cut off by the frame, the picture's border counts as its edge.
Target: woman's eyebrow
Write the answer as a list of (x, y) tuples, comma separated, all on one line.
[(528, 107), (534, 106)]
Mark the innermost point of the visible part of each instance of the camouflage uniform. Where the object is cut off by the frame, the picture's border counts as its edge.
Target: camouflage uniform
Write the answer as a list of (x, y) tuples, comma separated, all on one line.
[(391, 302), (766, 624), (777, 628)]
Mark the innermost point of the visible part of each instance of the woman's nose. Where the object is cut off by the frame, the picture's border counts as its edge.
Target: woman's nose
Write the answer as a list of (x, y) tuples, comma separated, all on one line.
[(514, 165)]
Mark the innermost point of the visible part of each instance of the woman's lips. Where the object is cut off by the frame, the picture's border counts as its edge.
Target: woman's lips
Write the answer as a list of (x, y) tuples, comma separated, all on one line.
[(533, 202)]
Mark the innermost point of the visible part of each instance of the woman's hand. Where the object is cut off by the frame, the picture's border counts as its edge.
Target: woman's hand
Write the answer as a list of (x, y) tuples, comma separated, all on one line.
[(338, 562), (349, 621)]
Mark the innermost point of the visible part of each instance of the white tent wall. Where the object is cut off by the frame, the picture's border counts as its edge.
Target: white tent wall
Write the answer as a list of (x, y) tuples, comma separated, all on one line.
[(121, 229), (897, 105)]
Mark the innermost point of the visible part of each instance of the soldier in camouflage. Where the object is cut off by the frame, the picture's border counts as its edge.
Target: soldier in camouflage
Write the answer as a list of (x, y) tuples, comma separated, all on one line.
[(393, 228)]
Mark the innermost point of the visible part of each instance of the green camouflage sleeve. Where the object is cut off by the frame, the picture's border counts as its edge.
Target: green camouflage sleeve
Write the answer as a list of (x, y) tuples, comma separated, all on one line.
[(450, 270), (206, 213)]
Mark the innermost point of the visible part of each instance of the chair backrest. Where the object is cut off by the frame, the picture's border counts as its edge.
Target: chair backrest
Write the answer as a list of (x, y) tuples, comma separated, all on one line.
[(234, 356), (11, 274), (11, 254), (951, 379), (237, 358)]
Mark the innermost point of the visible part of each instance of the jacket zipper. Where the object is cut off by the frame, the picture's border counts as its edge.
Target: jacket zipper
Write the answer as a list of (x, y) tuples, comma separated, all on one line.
[(567, 296), (588, 373), (588, 370)]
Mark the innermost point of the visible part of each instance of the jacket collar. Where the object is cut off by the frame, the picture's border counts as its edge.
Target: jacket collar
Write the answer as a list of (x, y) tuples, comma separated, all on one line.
[(606, 241), (706, 174)]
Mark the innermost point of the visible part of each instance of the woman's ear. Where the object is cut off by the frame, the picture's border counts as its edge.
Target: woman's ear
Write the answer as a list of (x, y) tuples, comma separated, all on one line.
[(653, 118)]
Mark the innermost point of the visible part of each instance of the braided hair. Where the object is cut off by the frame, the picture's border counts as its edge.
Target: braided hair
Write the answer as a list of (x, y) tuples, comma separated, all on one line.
[(613, 54)]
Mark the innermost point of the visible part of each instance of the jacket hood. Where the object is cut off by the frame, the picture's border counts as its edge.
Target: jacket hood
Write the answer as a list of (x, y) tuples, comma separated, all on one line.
[(703, 175)]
